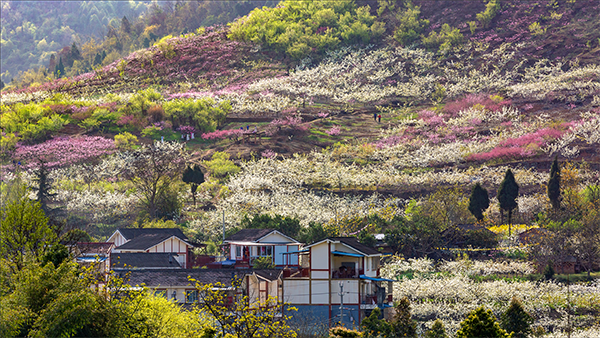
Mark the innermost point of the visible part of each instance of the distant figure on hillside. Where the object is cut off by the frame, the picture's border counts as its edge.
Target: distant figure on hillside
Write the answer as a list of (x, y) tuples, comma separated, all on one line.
[(255, 130), (379, 118), (242, 128), (248, 127), (374, 116)]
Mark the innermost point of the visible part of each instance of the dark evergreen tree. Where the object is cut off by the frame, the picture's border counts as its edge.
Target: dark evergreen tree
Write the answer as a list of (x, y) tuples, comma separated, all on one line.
[(554, 185), (479, 201), (1, 84), (59, 71), (516, 320), (125, 25), (75, 54), (43, 185), (480, 323), (507, 196), (97, 59), (437, 330), (403, 324), (194, 176)]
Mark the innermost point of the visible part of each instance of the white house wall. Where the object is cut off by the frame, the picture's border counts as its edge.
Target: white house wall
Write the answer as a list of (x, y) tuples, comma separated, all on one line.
[(296, 291), (274, 238), (319, 291), (350, 291), (319, 256), (117, 238)]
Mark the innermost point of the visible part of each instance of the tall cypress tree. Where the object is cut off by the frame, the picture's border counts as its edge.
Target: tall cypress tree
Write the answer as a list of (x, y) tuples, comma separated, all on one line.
[(59, 71), (479, 201), (554, 185), (507, 196)]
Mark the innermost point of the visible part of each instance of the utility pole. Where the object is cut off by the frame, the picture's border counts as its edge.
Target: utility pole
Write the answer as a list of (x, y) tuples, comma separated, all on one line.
[(341, 293), (223, 225)]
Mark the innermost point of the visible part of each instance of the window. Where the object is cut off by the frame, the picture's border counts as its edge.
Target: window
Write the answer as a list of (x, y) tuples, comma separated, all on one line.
[(264, 251), (191, 296), (238, 251), (160, 293)]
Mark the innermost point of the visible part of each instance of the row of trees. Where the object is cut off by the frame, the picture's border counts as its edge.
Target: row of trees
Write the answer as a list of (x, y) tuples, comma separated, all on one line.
[(515, 322)]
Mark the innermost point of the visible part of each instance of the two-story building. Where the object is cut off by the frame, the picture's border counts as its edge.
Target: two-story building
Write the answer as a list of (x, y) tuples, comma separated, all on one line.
[(153, 240), (247, 245), (342, 284)]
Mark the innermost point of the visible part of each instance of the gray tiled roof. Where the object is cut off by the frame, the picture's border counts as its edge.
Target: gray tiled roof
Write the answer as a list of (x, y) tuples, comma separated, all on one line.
[(145, 241), (248, 235), (144, 260), (166, 278), (354, 243), (131, 233)]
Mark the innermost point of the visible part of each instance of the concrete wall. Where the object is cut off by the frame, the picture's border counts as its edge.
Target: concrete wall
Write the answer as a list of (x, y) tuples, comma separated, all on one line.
[(296, 291), (350, 291)]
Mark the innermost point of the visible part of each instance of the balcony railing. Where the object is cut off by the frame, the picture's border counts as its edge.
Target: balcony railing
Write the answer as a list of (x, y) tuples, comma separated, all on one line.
[(343, 273)]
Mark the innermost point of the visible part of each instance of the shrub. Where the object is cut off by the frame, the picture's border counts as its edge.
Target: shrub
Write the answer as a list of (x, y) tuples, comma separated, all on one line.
[(491, 9), (536, 29), (437, 330), (444, 40), (220, 166), (265, 262), (125, 141), (203, 114)]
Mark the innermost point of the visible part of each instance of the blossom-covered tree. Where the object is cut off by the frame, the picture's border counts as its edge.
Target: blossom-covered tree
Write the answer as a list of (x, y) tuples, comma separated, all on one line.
[(152, 170)]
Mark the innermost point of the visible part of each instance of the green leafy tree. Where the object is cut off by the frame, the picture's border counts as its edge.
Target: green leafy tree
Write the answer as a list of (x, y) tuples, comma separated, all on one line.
[(419, 236), (287, 225), (367, 238), (516, 320), (194, 176), (554, 185), (56, 254), (480, 323), (313, 233), (507, 196), (403, 325), (479, 201), (24, 228), (437, 330)]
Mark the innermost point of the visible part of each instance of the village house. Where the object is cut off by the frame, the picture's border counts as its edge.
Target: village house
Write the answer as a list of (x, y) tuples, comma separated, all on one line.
[(157, 240), (332, 281), (246, 245), (339, 281), (178, 285)]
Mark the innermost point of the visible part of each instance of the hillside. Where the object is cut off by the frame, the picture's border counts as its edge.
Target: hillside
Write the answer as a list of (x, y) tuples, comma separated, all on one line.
[(348, 118)]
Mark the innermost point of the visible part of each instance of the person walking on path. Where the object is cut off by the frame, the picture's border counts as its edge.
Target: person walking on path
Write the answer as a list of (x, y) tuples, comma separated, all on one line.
[(374, 116), (379, 118)]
